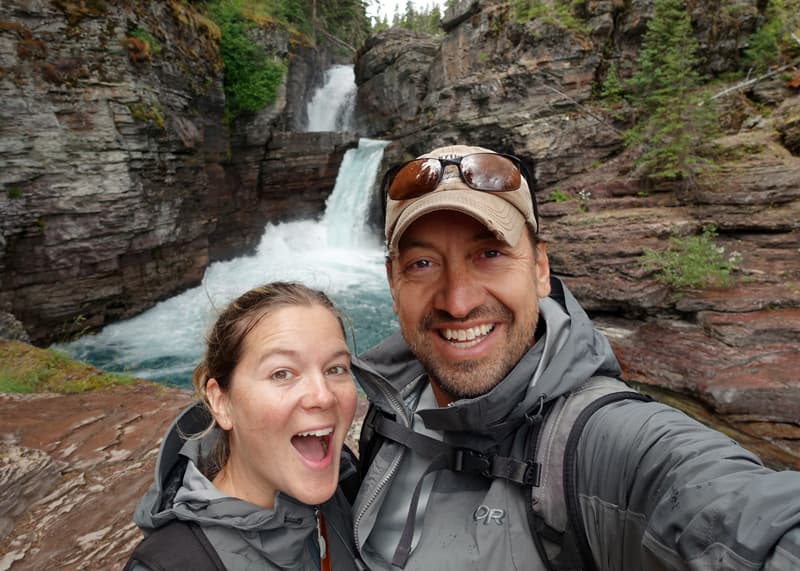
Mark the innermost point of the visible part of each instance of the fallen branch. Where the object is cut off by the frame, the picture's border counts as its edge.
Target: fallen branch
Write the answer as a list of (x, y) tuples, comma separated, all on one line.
[(584, 109), (318, 26), (755, 79)]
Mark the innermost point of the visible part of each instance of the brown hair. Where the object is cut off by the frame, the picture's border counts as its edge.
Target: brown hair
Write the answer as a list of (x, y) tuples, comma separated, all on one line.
[(225, 341)]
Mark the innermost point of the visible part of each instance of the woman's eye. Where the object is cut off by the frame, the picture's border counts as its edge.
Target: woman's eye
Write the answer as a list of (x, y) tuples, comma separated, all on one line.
[(282, 375), (337, 370)]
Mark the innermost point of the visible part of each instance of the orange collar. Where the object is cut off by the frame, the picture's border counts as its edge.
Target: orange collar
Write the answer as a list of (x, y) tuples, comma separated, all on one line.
[(324, 552)]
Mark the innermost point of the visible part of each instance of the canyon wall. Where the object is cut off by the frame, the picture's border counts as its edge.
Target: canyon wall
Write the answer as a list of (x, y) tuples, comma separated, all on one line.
[(532, 89), (121, 179)]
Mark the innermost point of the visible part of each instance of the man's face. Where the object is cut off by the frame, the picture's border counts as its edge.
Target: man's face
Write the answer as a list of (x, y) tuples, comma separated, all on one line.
[(467, 302)]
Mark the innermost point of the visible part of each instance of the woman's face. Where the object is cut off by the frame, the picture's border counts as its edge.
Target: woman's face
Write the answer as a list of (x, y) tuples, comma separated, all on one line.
[(290, 402)]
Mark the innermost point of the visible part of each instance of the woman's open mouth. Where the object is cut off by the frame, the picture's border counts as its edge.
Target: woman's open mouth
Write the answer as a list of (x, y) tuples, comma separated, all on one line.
[(313, 445)]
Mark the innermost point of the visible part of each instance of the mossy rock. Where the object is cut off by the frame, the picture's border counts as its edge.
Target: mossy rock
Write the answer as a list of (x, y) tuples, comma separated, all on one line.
[(28, 369)]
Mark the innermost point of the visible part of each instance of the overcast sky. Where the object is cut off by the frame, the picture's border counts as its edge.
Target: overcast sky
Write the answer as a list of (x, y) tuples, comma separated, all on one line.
[(380, 8)]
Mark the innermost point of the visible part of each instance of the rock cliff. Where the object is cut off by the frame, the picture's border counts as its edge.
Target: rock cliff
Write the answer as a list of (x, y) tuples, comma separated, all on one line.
[(530, 88), (120, 178)]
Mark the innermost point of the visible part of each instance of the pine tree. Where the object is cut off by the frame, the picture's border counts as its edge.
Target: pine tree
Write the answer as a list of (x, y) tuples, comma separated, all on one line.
[(673, 117)]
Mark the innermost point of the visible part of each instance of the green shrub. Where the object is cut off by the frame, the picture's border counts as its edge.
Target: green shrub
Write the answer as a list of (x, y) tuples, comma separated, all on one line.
[(558, 195), (144, 36), (14, 192), (772, 44), (694, 261), (252, 77), (558, 13), (147, 114)]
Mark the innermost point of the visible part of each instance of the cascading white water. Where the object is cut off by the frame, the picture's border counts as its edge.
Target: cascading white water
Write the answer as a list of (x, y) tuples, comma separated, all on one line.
[(331, 107), (336, 254)]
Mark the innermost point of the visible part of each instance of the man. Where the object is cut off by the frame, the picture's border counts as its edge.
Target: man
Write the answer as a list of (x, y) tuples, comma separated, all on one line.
[(490, 343)]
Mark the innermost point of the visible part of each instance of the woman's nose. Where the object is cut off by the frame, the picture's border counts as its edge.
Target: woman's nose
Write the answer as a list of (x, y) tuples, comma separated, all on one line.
[(318, 393)]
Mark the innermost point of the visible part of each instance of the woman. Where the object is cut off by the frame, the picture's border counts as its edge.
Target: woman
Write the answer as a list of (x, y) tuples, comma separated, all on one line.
[(255, 486)]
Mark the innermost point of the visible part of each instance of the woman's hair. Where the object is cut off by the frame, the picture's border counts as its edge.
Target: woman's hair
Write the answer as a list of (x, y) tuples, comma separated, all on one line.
[(225, 342)]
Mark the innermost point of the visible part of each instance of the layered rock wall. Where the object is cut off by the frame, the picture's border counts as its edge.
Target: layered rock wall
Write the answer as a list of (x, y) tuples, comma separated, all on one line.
[(120, 178), (531, 88)]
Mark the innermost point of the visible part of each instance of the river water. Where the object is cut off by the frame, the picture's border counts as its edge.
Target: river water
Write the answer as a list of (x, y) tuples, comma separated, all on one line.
[(336, 253)]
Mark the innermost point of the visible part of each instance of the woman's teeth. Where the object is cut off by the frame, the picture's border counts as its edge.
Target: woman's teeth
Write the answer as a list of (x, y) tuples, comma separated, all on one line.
[(319, 432)]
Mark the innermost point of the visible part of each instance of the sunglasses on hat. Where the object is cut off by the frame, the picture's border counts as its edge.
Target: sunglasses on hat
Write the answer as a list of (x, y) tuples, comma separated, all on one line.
[(487, 172)]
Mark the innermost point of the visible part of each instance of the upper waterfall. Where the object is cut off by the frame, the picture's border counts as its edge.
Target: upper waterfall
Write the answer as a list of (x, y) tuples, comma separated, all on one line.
[(331, 107)]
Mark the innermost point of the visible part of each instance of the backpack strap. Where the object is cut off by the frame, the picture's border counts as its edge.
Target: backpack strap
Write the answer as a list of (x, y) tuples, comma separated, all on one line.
[(554, 511), (177, 545)]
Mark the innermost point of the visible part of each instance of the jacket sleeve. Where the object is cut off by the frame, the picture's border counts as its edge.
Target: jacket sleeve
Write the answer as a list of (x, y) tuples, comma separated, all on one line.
[(659, 490)]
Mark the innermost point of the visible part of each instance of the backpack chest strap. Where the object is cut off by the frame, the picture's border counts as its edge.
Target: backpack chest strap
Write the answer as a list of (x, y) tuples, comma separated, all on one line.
[(458, 459)]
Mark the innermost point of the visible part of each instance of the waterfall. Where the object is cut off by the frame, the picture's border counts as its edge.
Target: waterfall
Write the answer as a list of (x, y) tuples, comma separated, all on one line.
[(331, 106), (348, 205), (336, 254)]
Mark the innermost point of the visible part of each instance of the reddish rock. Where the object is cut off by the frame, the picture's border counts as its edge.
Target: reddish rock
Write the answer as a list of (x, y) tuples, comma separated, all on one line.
[(72, 468), (89, 459)]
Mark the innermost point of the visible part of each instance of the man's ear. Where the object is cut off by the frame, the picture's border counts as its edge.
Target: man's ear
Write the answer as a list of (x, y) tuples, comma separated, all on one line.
[(542, 270), (218, 399), (390, 280)]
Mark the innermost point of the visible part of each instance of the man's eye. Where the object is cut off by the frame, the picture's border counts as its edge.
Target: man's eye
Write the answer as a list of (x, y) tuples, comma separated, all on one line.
[(419, 265), (492, 254)]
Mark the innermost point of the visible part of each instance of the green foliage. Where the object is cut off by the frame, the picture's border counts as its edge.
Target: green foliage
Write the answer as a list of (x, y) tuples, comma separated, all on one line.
[(690, 262), (147, 114), (422, 20), (345, 19), (772, 44), (252, 77), (559, 13), (558, 195), (611, 91), (14, 192), (147, 38), (27, 369), (674, 116)]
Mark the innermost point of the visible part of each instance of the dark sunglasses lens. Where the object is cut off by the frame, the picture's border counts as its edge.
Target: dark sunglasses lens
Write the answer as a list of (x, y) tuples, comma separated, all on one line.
[(490, 172), (415, 178)]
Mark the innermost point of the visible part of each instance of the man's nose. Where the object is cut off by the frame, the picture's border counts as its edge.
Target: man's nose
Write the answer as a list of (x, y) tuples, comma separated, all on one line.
[(459, 292)]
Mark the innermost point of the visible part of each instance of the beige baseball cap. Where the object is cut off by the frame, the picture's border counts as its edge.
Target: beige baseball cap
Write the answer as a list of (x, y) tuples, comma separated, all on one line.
[(504, 213)]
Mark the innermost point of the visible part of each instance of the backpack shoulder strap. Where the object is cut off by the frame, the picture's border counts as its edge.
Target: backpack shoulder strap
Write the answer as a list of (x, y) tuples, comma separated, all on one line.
[(554, 513), (177, 545)]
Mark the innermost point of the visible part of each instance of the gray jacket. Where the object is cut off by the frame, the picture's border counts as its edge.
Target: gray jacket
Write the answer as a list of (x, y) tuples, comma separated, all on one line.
[(657, 490), (245, 536)]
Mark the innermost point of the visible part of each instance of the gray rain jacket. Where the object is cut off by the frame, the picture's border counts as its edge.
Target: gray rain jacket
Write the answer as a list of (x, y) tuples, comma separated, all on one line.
[(245, 536), (657, 490)]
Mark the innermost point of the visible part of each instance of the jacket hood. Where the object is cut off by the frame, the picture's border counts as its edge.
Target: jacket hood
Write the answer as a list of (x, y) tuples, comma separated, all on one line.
[(181, 491), (569, 352)]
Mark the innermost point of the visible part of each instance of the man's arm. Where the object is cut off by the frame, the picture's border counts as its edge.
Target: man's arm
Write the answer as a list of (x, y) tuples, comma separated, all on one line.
[(661, 491)]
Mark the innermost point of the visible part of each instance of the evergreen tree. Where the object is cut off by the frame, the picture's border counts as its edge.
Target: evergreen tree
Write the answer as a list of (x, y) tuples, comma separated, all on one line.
[(772, 44), (673, 117)]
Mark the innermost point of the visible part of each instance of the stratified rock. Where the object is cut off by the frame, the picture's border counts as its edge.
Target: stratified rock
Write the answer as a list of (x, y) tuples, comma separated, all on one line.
[(121, 179), (73, 468), (26, 476)]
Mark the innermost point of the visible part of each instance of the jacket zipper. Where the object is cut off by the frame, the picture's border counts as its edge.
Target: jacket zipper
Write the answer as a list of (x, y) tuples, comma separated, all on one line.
[(399, 408)]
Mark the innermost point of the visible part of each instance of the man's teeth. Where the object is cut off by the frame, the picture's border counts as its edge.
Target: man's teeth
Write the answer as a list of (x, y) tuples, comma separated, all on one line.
[(467, 334), (320, 432)]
